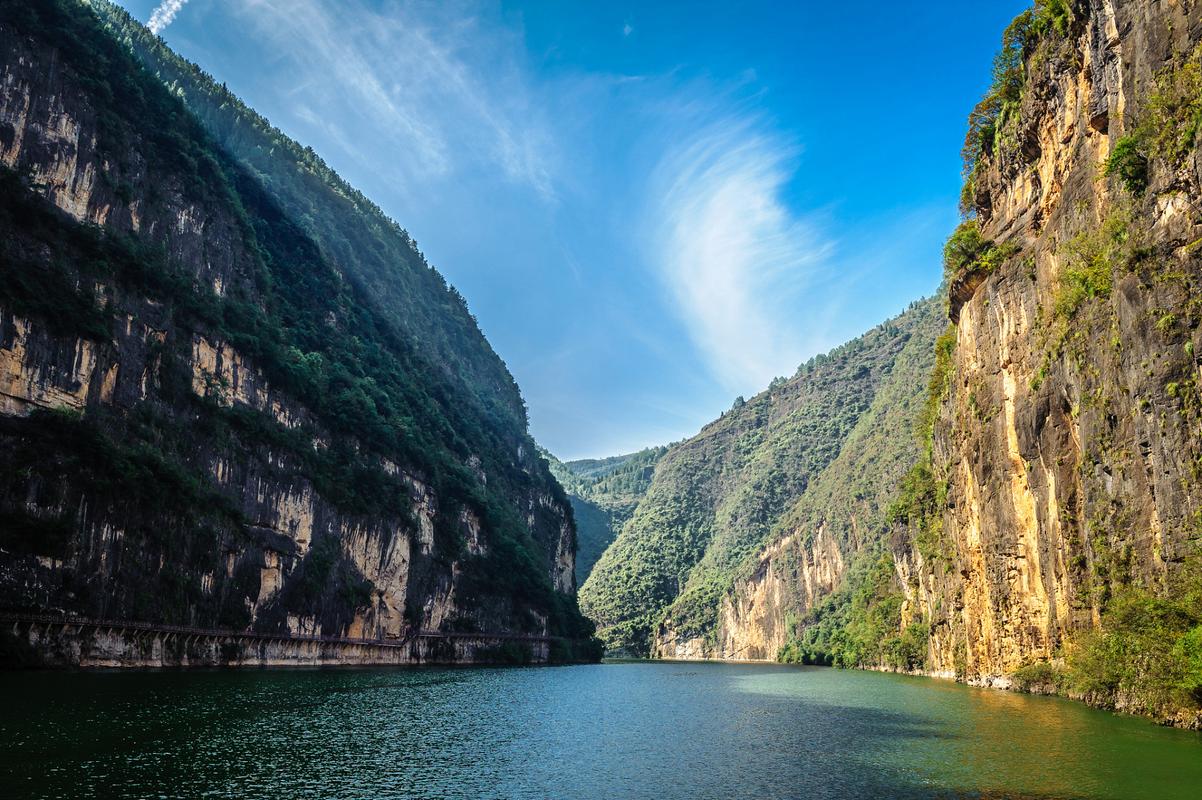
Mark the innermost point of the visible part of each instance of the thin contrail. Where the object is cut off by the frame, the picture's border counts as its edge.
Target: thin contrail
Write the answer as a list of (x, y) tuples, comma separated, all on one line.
[(164, 14)]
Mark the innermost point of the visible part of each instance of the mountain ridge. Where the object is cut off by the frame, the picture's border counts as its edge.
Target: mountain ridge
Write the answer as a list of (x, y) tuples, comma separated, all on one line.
[(716, 496)]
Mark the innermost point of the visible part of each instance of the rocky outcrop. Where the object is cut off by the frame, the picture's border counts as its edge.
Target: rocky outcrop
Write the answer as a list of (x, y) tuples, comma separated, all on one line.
[(757, 615), (168, 455)]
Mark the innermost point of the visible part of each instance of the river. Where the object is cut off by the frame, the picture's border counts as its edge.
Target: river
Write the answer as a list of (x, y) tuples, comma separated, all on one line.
[(620, 730)]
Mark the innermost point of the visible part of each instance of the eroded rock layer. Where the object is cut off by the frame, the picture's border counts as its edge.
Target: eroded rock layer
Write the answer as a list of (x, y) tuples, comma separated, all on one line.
[(1069, 436)]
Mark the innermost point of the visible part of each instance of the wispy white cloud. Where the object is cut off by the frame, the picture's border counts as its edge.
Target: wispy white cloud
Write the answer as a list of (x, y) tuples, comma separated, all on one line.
[(736, 259), (682, 272), (164, 14), (430, 83)]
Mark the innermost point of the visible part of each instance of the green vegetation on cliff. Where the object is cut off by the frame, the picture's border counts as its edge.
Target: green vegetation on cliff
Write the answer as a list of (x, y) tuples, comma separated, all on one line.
[(1168, 128), (992, 123), (967, 252), (603, 493), (1145, 658), (858, 502), (331, 302), (717, 498), (1147, 655), (858, 624)]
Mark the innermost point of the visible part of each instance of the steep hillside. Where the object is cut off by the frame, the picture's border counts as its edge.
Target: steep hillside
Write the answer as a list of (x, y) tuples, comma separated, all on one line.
[(717, 497), (220, 410), (376, 254), (603, 493), (829, 546)]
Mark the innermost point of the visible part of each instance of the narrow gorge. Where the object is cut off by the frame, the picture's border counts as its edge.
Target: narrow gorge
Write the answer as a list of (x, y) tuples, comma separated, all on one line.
[(277, 520)]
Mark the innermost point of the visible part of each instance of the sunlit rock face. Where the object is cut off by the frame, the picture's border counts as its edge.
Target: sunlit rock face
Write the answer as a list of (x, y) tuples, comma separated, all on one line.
[(155, 466), (1069, 438)]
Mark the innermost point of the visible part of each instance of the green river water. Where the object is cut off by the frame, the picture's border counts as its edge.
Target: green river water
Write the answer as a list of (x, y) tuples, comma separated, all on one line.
[(621, 730)]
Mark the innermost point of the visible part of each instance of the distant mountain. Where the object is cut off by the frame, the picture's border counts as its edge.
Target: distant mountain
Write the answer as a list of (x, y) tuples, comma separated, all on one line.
[(597, 468), (604, 493), (717, 498)]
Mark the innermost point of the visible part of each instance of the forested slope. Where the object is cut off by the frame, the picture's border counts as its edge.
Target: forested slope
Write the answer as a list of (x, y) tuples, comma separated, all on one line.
[(718, 497), (604, 493), (221, 409)]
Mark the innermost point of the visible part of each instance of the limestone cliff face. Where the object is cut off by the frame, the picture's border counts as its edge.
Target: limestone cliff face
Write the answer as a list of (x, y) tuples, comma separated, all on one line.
[(758, 615), (157, 463), (1064, 458), (1070, 437)]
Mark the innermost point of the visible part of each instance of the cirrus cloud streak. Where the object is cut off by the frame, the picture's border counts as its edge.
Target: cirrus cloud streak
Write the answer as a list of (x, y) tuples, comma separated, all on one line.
[(737, 261), (164, 15)]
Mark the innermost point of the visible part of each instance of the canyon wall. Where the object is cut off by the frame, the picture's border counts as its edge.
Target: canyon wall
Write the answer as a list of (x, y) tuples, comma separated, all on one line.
[(1069, 435), (206, 419)]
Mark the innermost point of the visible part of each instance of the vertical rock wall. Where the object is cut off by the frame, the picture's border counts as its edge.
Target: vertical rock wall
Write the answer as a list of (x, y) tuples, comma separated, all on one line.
[(1070, 438)]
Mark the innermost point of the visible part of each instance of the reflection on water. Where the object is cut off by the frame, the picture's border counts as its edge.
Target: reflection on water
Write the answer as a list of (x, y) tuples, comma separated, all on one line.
[(615, 730)]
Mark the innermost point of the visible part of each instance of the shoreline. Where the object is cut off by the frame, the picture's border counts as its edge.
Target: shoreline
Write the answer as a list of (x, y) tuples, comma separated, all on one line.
[(1183, 721)]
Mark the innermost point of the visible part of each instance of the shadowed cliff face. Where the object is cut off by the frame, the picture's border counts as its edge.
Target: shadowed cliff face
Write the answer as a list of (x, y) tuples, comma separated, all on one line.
[(1069, 437), (204, 420)]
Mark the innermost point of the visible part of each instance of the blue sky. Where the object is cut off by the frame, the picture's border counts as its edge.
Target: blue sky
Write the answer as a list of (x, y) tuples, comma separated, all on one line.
[(651, 208)]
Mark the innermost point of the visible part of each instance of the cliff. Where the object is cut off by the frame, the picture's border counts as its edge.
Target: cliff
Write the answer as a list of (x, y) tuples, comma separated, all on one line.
[(1047, 535), (218, 411), (719, 496), (1068, 434)]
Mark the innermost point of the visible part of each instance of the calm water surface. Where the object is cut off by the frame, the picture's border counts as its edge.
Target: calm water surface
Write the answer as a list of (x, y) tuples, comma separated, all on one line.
[(643, 730)]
